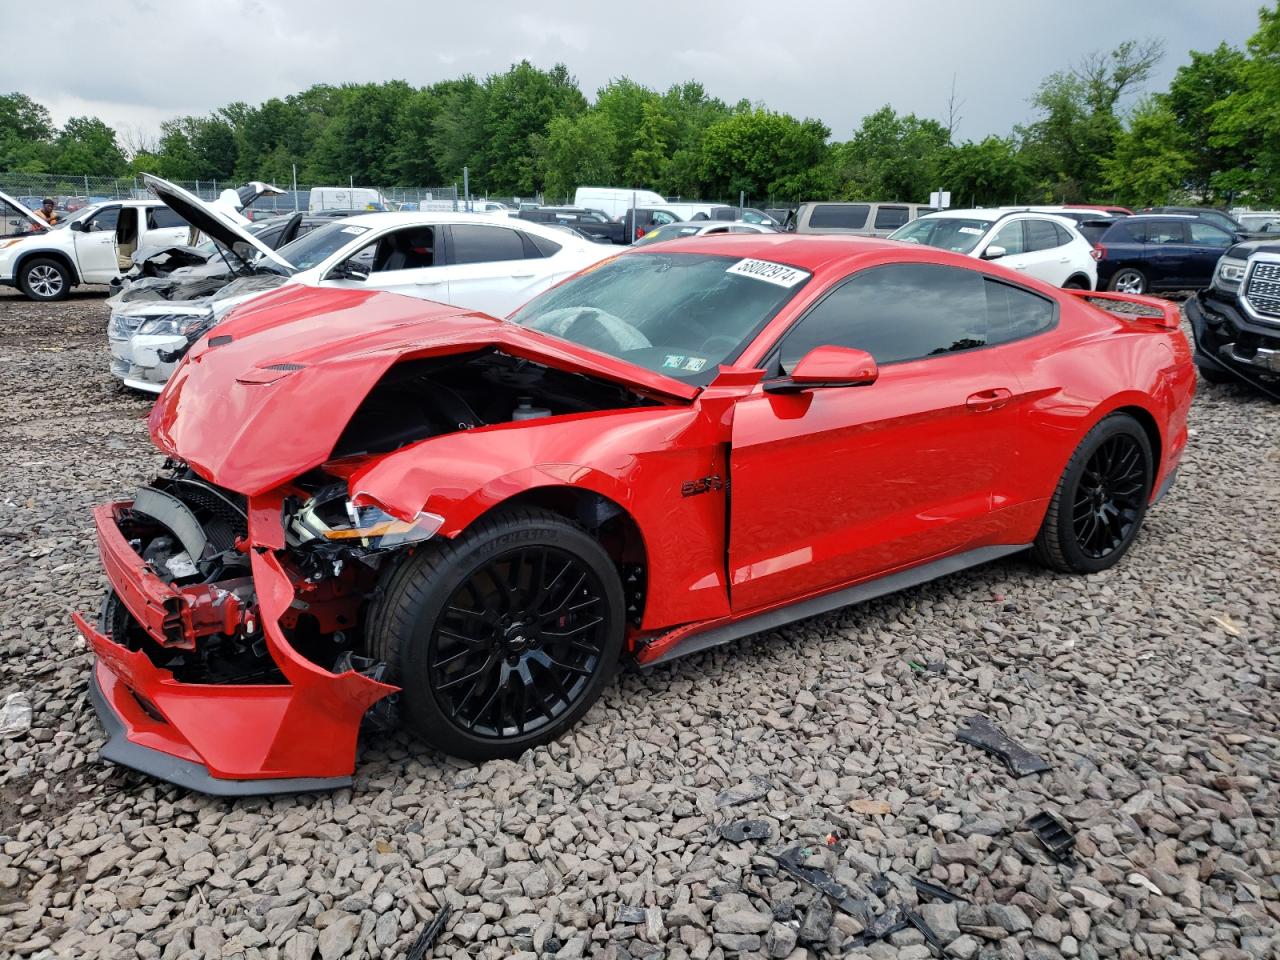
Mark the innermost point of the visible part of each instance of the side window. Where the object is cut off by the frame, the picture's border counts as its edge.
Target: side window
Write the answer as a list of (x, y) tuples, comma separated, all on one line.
[(1064, 235), (104, 219), (1015, 313), (542, 247), (901, 311), (1042, 235), (891, 218), (847, 216), (1207, 235), (410, 249), (1167, 231), (662, 218), (1010, 237), (475, 243), (162, 218)]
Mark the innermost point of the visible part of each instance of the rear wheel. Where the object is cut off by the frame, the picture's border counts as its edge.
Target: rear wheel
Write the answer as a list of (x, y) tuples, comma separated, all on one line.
[(502, 639), (1101, 499), (1128, 280), (44, 278), (1076, 283)]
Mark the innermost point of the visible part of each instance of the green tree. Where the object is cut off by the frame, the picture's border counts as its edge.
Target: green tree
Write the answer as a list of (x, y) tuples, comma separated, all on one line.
[(1153, 160), (26, 134), (576, 151), (1079, 123), (986, 173), (1247, 119), (87, 146), (519, 106), (1196, 89), (892, 157), (761, 154), (359, 140), (458, 134)]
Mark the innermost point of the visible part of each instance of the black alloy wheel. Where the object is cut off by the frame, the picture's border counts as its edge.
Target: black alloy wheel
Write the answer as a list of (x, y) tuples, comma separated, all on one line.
[(518, 642), (1109, 498), (1098, 506), (502, 637)]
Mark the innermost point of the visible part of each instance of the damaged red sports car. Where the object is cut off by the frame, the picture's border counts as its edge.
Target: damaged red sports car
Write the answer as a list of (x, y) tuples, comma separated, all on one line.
[(380, 510)]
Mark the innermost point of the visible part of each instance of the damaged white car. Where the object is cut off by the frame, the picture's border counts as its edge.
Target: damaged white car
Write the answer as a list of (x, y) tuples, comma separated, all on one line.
[(468, 260)]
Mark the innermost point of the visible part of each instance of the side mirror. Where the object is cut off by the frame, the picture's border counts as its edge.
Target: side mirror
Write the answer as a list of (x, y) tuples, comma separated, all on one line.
[(81, 226), (349, 271), (994, 253), (828, 366)]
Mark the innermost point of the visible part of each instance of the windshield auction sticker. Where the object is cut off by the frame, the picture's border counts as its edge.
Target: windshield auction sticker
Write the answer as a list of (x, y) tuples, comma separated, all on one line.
[(776, 273)]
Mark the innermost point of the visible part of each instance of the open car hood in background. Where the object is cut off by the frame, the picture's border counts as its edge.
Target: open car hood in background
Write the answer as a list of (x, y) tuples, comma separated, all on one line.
[(23, 211), (209, 220), (264, 396)]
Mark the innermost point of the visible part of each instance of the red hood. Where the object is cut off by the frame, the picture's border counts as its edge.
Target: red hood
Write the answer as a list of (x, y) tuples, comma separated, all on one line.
[(270, 402)]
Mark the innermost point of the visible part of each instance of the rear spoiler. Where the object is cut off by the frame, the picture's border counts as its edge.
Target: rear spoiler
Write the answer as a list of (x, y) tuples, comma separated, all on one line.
[(1161, 313)]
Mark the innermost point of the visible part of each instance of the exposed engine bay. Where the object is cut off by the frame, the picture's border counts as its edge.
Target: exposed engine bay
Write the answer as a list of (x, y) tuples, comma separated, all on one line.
[(418, 399), (193, 535)]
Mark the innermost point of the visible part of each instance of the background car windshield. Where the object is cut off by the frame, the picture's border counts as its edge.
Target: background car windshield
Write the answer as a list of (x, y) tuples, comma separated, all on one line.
[(678, 314), (956, 234), (318, 245)]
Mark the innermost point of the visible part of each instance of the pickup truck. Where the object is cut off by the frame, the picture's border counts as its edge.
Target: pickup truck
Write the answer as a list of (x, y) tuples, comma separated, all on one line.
[(1235, 321), (591, 222)]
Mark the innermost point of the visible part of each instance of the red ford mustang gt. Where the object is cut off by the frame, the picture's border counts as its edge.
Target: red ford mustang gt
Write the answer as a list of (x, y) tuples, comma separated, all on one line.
[(379, 510)]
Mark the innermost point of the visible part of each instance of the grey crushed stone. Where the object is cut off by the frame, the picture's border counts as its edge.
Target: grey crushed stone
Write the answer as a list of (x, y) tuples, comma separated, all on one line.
[(1152, 689)]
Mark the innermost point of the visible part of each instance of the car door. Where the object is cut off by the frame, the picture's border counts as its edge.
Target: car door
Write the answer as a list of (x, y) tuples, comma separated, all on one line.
[(1208, 244), (837, 484), (1047, 256), (494, 268), (407, 261), (164, 228), (1167, 253), (96, 243), (1011, 237)]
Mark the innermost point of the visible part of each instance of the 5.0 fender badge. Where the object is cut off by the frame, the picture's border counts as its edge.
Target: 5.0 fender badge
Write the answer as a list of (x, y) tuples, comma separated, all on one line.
[(692, 487)]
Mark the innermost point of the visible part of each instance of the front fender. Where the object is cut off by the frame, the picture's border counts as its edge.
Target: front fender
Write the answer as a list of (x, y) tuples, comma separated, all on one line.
[(640, 459)]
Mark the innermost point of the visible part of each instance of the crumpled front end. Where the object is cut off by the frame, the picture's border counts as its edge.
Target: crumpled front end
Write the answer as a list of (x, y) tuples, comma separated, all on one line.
[(1232, 340), (221, 666)]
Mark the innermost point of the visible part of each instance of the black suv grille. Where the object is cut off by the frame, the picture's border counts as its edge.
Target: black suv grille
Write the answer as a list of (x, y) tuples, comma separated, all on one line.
[(1263, 292)]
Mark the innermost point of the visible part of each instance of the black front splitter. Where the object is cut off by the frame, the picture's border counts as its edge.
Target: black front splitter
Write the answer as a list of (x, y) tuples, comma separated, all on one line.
[(121, 750)]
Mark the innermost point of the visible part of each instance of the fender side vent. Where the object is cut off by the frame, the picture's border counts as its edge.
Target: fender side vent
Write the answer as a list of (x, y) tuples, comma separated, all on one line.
[(220, 339)]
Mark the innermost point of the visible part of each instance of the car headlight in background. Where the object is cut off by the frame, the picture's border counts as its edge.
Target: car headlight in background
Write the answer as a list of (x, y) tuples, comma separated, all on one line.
[(1230, 272), (331, 517), (186, 325)]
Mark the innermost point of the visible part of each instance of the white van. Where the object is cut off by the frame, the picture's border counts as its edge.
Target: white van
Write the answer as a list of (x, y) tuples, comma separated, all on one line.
[(347, 198), (615, 201)]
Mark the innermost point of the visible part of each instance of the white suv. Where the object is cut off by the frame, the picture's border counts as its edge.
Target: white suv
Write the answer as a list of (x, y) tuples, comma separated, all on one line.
[(1041, 245), (94, 246)]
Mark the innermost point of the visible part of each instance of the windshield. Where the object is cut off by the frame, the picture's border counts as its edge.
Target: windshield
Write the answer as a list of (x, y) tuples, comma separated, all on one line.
[(679, 314), (956, 234), (316, 247), (14, 223)]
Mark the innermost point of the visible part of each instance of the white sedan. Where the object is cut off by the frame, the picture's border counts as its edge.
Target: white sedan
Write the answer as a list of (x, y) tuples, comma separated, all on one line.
[(1041, 245), (474, 261)]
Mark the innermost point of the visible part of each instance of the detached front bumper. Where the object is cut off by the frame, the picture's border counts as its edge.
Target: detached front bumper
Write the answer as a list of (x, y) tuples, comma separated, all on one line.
[(226, 739)]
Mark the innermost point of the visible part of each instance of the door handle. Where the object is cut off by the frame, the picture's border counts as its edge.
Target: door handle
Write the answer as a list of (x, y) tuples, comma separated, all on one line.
[(986, 400), (429, 283), (522, 276)]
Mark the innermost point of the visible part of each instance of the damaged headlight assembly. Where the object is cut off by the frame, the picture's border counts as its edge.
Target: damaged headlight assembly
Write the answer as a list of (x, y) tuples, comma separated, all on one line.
[(331, 518), (187, 325)]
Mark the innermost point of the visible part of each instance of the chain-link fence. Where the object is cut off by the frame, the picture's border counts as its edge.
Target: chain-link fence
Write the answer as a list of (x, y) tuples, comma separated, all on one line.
[(72, 192)]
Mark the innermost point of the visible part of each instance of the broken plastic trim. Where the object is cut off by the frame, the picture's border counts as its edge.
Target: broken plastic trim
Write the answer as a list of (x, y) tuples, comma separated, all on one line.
[(747, 830), (1054, 834), (823, 882), (980, 732)]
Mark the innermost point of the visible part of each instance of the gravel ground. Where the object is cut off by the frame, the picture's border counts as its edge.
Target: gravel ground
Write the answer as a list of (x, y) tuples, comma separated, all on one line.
[(1151, 689)]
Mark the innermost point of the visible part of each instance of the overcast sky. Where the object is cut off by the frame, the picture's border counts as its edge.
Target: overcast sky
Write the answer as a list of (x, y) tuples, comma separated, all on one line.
[(137, 63)]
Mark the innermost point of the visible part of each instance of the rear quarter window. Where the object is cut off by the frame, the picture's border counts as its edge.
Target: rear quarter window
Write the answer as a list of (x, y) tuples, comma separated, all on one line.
[(852, 216)]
